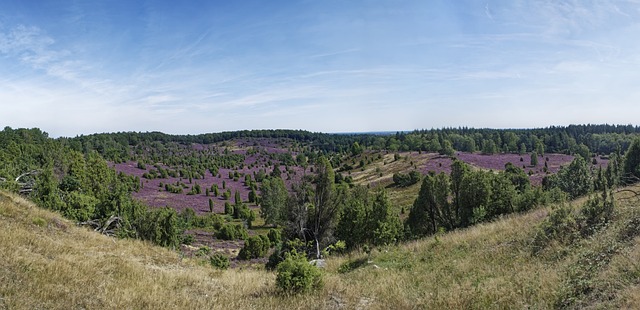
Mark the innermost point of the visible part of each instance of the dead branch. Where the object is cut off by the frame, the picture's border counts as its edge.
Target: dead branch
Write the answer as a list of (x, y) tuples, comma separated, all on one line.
[(635, 194), (32, 172), (112, 221), (95, 224), (109, 227), (25, 187)]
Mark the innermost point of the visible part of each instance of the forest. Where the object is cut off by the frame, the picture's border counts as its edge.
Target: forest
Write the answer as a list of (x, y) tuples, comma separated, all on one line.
[(279, 197)]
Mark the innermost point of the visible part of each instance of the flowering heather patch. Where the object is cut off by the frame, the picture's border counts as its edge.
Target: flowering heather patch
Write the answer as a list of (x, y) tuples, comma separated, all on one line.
[(498, 161), (154, 194), (436, 163)]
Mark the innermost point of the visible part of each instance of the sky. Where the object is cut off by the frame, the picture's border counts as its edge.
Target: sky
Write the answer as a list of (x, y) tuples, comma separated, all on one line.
[(190, 67)]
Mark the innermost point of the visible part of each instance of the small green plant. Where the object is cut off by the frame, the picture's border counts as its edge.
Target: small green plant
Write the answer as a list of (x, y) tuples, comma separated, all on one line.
[(203, 251), (254, 247), (296, 275), (38, 221), (187, 239), (228, 208), (560, 227), (219, 261)]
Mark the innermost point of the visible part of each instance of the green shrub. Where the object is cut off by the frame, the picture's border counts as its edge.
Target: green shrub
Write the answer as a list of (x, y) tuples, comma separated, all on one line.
[(254, 247), (597, 211), (275, 236), (203, 251), (187, 239), (228, 208), (38, 221), (232, 232), (214, 221), (219, 261), (296, 275)]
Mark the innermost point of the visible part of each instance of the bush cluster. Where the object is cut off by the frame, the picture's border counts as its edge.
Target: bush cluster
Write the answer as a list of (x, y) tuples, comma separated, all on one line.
[(404, 180), (255, 247), (232, 232), (296, 275), (219, 261)]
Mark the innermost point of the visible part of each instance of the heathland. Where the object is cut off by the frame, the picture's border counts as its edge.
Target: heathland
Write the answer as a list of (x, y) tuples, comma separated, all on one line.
[(450, 218)]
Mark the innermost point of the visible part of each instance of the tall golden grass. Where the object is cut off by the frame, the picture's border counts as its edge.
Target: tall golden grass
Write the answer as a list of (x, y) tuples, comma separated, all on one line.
[(47, 262)]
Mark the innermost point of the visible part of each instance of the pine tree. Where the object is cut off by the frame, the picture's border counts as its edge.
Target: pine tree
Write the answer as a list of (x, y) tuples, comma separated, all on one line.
[(273, 200), (631, 163)]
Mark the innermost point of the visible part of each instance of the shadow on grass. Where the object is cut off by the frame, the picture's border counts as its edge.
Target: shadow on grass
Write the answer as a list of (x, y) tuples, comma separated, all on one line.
[(352, 265)]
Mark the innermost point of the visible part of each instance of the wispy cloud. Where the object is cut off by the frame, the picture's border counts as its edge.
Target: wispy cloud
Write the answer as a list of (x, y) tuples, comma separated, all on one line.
[(87, 67)]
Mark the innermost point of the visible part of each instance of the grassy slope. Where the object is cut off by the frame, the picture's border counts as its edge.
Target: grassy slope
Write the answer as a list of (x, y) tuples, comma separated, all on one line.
[(47, 262)]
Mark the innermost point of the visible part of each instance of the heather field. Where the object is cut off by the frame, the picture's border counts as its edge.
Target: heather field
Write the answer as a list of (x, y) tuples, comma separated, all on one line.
[(258, 155), (251, 157)]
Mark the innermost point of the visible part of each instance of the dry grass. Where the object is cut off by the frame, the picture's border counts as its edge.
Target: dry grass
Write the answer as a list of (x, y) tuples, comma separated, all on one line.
[(48, 262)]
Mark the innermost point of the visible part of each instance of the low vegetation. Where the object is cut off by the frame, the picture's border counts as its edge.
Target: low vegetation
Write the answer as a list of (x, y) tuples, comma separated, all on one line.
[(516, 261), (464, 235)]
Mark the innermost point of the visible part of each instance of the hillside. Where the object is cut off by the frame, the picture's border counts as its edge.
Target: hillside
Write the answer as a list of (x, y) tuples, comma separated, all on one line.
[(48, 262)]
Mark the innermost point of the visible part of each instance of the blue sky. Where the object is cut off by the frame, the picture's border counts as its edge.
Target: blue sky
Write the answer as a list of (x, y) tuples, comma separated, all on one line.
[(79, 67)]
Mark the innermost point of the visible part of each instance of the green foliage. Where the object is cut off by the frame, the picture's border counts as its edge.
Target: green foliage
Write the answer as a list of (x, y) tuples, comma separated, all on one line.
[(597, 211), (208, 221), (254, 247), (232, 232), (405, 180), (219, 261), (253, 197), (38, 221), (326, 205), (563, 226), (517, 176), (273, 200), (475, 192), (631, 163), (385, 225), (575, 180), (296, 275), (560, 226), (237, 198), (356, 149), (187, 239), (353, 225), (275, 236), (79, 207), (159, 226), (367, 220), (203, 251), (339, 247), (228, 208), (447, 149), (502, 196), (489, 147), (534, 159)]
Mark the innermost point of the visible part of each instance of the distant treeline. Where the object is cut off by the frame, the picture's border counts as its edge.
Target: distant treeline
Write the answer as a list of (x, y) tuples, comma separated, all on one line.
[(574, 139)]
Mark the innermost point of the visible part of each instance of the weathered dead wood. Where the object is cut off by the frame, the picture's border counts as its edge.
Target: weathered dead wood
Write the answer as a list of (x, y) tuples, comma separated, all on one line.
[(32, 172), (109, 227), (24, 187)]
